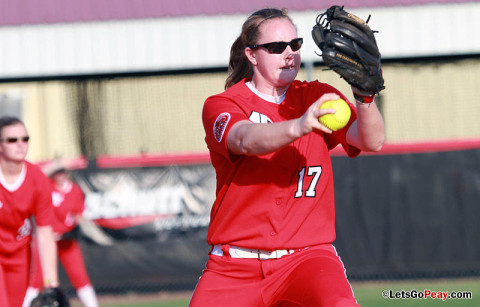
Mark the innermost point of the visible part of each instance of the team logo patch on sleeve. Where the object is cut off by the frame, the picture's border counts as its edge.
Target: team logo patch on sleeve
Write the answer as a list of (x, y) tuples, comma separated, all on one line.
[(220, 125)]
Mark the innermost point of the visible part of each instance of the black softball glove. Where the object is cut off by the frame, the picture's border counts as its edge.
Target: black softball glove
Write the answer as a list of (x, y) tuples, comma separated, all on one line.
[(349, 47), (51, 297)]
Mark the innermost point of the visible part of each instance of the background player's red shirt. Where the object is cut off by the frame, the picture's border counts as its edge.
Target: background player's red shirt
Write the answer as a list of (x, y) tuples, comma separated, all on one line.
[(67, 205), (280, 200), (30, 196)]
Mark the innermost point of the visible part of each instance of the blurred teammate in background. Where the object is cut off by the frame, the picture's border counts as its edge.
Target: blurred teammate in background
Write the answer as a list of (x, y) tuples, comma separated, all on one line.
[(273, 222), (25, 192), (68, 206)]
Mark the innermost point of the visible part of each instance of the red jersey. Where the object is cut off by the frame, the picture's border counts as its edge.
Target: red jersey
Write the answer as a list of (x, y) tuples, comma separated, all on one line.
[(282, 200), (67, 205), (29, 196)]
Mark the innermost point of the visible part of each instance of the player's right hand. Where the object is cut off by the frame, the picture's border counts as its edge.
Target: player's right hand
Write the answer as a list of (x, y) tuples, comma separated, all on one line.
[(309, 120)]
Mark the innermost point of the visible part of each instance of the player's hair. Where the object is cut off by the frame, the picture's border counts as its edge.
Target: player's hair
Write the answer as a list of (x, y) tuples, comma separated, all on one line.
[(239, 66), (8, 121)]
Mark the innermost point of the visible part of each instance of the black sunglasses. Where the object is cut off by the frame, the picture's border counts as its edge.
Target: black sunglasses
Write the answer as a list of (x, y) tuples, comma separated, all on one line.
[(279, 47), (14, 140)]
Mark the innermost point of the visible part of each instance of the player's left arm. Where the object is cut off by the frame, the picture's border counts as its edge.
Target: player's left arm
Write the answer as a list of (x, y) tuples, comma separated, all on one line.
[(47, 248), (93, 232), (367, 132), (349, 47)]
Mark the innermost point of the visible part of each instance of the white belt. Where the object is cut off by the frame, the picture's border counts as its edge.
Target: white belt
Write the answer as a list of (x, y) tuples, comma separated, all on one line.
[(240, 252)]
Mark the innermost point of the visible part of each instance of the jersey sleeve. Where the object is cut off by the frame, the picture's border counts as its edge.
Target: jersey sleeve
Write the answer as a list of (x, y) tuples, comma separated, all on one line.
[(44, 214), (79, 198), (219, 115)]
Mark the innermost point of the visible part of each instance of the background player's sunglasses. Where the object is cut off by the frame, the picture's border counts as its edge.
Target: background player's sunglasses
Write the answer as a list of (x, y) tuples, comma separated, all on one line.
[(14, 140), (279, 47)]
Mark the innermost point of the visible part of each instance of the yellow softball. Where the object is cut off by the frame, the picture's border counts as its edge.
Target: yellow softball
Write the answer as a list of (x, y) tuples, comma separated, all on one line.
[(340, 118)]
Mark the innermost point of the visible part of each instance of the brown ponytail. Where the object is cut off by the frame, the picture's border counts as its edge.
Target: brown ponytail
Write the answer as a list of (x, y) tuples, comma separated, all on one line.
[(239, 66)]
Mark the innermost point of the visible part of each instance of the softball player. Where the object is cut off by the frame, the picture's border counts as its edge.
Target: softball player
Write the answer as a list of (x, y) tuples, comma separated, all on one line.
[(273, 221), (25, 192), (68, 207)]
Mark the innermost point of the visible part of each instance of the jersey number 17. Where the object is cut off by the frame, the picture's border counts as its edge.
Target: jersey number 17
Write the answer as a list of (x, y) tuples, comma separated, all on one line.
[(314, 171)]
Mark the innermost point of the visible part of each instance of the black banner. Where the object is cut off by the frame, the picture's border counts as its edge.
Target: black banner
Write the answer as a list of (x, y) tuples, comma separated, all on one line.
[(398, 216), (411, 215)]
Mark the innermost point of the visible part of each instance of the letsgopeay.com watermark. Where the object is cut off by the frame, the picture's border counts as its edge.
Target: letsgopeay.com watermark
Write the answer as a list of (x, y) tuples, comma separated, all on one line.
[(427, 294)]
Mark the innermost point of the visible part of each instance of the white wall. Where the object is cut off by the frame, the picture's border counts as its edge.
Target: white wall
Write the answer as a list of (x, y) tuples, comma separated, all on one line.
[(204, 41)]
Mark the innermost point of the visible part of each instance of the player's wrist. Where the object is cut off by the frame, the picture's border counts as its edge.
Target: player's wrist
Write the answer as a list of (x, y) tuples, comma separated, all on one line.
[(50, 283), (364, 99)]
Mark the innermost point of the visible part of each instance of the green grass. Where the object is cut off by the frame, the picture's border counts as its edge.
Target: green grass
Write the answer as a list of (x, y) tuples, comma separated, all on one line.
[(368, 294)]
